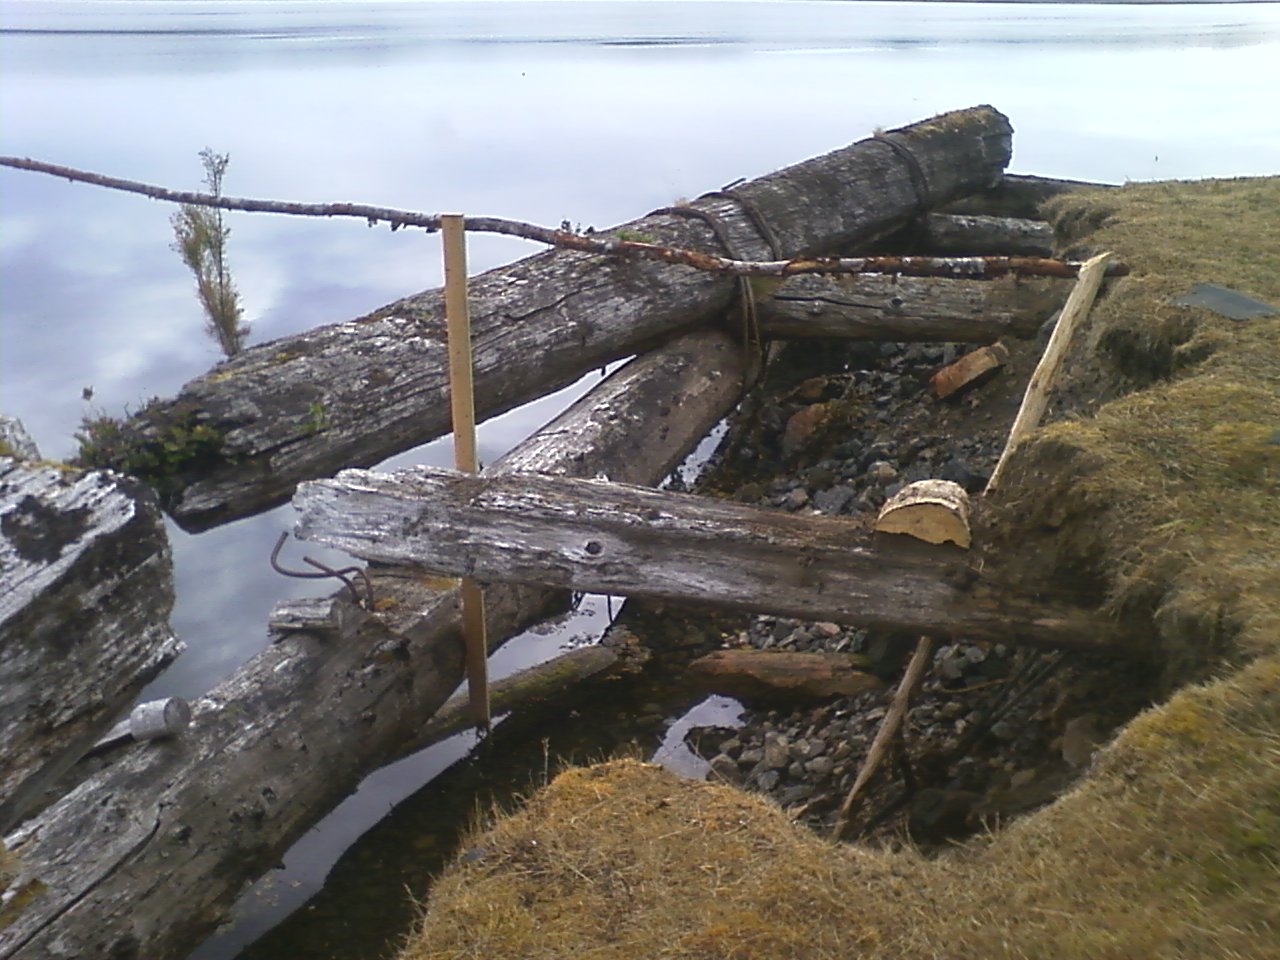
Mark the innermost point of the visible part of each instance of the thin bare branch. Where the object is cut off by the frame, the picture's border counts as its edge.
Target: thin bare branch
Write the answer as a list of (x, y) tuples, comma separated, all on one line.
[(889, 729), (603, 244)]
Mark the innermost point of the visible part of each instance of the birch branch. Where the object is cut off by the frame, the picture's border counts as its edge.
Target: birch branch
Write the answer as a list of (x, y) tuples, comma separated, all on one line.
[(970, 267)]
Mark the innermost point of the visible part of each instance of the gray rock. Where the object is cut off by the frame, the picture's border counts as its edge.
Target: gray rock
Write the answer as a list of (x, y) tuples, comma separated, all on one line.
[(796, 499), (725, 768), (750, 757), (795, 794), (820, 767), (767, 780), (882, 472), (834, 501), (776, 753)]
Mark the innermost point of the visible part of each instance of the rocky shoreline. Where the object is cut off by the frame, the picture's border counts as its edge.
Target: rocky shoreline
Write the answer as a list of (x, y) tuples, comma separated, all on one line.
[(994, 731)]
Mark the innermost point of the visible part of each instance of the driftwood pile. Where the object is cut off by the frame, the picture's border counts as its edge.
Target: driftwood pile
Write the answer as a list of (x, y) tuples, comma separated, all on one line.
[(146, 854)]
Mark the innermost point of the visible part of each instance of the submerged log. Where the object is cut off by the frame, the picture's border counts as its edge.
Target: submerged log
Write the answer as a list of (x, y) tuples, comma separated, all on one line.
[(899, 308), (605, 537), (145, 856), (355, 393), (540, 683), (86, 588), (782, 676)]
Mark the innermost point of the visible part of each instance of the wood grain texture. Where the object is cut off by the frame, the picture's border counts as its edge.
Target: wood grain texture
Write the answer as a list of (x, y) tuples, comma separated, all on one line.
[(86, 589), (605, 537), (145, 857), (975, 235), (354, 393), (898, 308)]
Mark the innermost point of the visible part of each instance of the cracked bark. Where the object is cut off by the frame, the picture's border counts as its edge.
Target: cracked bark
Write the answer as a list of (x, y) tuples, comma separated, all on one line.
[(380, 381)]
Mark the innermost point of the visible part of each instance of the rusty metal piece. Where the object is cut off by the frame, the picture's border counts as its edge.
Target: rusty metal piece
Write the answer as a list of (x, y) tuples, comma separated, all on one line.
[(325, 572)]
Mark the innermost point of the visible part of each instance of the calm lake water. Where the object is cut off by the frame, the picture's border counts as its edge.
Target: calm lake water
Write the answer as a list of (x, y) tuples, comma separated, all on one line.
[(593, 112)]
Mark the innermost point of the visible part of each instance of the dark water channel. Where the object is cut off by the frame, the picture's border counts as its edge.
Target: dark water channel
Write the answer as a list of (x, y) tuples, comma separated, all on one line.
[(593, 112)]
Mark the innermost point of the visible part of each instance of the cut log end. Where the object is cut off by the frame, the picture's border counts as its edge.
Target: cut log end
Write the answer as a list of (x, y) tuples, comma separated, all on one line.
[(974, 368), (936, 511)]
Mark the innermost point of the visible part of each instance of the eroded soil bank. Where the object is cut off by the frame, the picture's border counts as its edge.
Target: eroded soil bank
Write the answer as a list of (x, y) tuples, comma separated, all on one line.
[(1153, 497)]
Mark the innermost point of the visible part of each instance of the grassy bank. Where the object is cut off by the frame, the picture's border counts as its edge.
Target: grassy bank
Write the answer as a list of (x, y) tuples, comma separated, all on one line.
[(1167, 495)]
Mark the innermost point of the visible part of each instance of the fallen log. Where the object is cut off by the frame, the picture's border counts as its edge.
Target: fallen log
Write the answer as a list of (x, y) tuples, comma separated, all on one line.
[(355, 393), (1018, 195), (900, 308), (606, 537), (782, 676), (86, 589), (145, 857), (542, 682), (975, 235)]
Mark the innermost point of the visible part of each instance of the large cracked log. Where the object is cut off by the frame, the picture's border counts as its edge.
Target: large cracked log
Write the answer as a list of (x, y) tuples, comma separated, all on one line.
[(355, 393), (86, 588), (145, 857), (606, 537), (897, 309)]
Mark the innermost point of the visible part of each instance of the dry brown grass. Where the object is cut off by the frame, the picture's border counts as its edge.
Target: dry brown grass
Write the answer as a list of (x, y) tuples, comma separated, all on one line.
[(1169, 848)]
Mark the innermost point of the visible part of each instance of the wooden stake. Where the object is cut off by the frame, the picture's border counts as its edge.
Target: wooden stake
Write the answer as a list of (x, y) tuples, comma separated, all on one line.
[(1036, 398), (462, 402), (911, 679)]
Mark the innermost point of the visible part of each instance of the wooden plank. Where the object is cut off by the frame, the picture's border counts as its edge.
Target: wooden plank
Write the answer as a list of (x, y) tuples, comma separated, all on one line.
[(462, 403), (290, 734), (357, 392), (86, 589), (899, 308), (605, 537)]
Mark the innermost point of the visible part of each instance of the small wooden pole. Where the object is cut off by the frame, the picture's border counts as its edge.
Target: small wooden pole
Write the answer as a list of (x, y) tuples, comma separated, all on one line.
[(462, 402), (1036, 398), (911, 678)]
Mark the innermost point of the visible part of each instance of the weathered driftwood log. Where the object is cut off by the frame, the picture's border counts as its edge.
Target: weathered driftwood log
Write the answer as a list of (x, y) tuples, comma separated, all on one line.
[(145, 857), (613, 538), (781, 675), (354, 393), (895, 308), (974, 235), (86, 588), (1019, 195)]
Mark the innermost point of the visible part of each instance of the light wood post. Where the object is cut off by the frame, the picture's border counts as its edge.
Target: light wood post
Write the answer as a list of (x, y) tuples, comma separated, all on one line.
[(1036, 399), (462, 402)]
